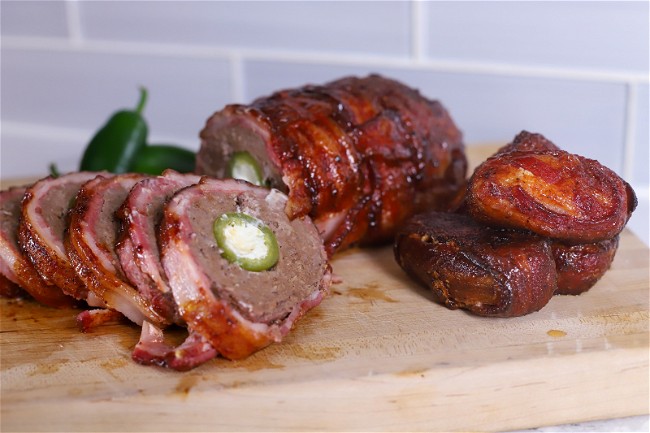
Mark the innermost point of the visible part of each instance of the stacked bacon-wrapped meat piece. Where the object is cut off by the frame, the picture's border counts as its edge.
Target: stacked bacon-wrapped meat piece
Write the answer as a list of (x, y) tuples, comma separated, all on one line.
[(536, 221)]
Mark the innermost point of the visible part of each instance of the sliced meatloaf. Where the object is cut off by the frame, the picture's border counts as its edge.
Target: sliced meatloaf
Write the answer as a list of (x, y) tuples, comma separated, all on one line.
[(90, 244), (14, 264), (138, 251), (43, 224), (238, 310)]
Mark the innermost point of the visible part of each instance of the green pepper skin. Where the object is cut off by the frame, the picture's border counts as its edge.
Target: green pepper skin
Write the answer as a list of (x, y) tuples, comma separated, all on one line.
[(156, 158), (115, 145), (243, 166), (253, 264)]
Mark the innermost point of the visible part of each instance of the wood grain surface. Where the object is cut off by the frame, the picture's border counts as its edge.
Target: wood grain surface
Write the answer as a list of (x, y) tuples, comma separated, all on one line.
[(377, 354)]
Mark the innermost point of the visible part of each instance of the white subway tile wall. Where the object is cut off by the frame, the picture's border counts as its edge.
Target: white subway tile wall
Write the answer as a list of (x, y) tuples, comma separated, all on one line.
[(574, 71)]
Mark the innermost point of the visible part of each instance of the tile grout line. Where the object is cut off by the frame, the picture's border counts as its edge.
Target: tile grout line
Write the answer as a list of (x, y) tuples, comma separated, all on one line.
[(345, 59), (630, 131), (419, 31), (237, 77), (73, 20)]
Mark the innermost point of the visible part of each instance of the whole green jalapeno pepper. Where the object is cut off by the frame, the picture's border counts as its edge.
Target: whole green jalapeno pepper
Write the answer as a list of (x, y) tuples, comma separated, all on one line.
[(156, 158), (116, 144)]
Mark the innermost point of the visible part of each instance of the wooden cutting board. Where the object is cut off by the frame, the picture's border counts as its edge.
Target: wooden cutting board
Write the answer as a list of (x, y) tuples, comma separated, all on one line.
[(377, 354)]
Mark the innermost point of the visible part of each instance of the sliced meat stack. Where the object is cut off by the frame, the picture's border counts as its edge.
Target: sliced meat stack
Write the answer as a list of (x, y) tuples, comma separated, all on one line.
[(358, 155), (240, 270), (536, 221)]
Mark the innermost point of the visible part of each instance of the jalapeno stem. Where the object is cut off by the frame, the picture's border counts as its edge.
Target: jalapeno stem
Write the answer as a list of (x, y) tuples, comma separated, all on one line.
[(143, 100)]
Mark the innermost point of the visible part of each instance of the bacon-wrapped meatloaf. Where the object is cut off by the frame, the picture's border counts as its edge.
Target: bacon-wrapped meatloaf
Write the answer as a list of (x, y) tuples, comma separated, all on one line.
[(358, 155)]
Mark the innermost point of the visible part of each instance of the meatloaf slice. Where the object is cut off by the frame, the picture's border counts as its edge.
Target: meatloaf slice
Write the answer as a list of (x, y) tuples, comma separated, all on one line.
[(90, 244), (14, 264), (237, 310), (43, 224), (138, 251)]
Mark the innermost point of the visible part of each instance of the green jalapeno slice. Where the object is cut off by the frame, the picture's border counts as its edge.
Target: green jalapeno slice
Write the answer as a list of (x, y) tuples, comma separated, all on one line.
[(243, 166), (246, 241)]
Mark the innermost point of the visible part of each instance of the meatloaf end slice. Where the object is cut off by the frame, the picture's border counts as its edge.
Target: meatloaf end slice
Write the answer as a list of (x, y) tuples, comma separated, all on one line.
[(14, 263), (90, 244), (238, 128), (236, 310), (138, 251), (42, 229)]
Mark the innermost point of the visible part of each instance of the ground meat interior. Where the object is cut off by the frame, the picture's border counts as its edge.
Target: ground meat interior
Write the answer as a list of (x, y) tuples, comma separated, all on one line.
[(240, 139), (55, 205), (266, 296)]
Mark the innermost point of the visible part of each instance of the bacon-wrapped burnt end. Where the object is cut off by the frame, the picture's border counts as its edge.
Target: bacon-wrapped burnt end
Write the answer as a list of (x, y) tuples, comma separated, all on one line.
[(358, 155), (552, 193), (489, 272), (580, 266)]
